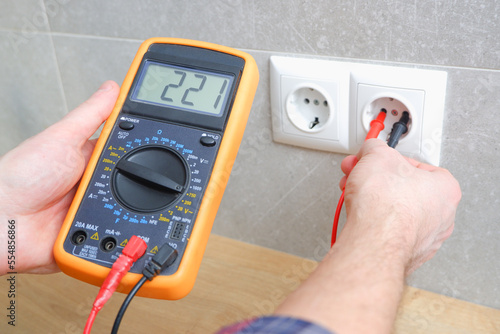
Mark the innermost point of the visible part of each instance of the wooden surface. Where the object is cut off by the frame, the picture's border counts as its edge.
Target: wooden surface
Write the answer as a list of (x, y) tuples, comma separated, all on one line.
[(236, 281)]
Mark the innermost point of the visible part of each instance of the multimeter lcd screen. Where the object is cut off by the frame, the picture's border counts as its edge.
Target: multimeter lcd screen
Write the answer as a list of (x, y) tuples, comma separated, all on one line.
[(183, 88)]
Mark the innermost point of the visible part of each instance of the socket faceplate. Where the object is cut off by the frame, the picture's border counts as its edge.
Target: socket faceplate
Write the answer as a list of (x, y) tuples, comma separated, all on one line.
[(421, 91), (303, 90), (351, 90), (371, 98)]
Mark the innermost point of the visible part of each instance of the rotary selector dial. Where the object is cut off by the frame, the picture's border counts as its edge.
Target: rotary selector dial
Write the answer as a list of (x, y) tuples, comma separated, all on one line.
[(150, 178)]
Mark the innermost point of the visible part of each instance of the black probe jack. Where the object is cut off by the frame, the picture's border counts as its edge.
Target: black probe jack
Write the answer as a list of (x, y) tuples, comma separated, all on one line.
[(398, 129)]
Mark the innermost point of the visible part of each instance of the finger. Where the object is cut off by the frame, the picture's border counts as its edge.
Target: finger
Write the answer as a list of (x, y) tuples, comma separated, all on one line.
[(88, 148), (371, 145), (81, 123), (343, 182), (421, 165), (348, 164), (442, 176), (379, 147)]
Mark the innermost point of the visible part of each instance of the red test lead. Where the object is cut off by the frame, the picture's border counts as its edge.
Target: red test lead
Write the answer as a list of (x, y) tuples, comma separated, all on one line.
[(376, 126), (135, 248)]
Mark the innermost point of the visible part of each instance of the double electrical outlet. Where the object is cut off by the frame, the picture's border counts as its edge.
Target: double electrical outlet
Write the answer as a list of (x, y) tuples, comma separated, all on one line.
[(328, 105)]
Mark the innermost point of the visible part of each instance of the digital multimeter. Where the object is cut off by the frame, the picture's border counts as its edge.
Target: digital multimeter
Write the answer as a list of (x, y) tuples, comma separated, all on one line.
[(161, 164)]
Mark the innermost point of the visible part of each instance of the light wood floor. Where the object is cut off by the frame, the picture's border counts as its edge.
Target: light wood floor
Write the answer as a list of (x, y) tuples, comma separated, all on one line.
[(236, 281)]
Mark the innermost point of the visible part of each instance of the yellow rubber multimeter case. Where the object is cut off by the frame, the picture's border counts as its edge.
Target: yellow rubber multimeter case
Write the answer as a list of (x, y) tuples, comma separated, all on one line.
[(161, 164)]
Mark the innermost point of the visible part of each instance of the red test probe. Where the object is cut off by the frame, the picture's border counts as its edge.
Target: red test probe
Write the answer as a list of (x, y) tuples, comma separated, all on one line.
[(376, 126)]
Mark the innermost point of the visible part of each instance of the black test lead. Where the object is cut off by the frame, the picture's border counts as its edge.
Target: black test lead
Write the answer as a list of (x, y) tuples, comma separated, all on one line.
[(398, 129)]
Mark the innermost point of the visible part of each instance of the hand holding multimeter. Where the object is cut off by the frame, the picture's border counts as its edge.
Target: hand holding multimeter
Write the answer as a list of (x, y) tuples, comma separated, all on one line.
[(161, 164)]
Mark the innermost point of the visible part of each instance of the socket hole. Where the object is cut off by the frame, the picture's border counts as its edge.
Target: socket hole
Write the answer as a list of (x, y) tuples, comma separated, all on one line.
[(396, 108), (306, 101), (108, 244), (325, 103)]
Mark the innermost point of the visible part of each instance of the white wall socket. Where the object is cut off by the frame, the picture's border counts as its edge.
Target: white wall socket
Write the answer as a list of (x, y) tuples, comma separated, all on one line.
[(328, 105), (307, 100)]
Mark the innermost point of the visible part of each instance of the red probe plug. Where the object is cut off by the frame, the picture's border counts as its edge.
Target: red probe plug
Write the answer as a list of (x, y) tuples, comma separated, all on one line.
[(376, 126), (135, 248)]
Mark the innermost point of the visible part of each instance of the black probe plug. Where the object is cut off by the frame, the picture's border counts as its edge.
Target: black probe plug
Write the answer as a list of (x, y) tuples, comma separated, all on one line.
[(398, 129), (164, 258)]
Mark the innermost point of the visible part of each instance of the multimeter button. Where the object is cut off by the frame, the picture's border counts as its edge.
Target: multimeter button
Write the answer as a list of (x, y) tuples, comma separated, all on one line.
[(207, 141), (126, 125)]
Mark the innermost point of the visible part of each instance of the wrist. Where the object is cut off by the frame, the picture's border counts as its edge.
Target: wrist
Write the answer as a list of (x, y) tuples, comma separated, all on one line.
[(377, 253), (391, 235)]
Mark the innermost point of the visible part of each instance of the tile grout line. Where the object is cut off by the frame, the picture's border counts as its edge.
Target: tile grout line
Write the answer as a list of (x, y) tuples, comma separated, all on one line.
[(107, 38), (290, 54), (58, 69)]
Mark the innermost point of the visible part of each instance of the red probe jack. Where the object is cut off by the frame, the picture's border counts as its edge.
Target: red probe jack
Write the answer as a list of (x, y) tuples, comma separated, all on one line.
[(376, 126)]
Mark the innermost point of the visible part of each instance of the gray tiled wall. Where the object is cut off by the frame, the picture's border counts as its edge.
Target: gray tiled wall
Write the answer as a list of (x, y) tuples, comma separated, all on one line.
[(55, 53)]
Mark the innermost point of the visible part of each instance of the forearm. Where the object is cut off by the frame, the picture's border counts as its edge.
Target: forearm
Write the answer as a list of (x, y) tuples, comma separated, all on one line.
[(356, 288)]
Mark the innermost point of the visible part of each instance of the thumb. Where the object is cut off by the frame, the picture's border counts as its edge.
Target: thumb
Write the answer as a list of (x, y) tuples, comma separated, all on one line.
[(371, 146), (81, 123)]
